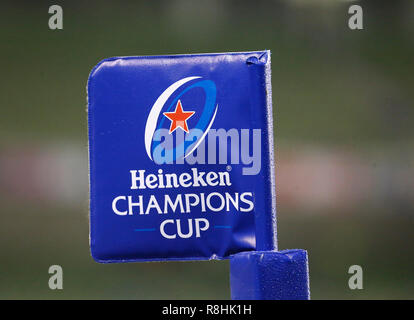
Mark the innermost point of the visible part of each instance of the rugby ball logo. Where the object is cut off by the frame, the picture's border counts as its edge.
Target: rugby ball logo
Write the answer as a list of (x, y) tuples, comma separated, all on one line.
[(170, 113)]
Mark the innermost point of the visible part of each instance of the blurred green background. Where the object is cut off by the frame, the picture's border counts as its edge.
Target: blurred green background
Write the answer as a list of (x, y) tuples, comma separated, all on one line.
[(344, 132)]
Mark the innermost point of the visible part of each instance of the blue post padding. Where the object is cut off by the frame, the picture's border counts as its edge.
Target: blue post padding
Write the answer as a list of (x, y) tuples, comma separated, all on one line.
[(270, 275)]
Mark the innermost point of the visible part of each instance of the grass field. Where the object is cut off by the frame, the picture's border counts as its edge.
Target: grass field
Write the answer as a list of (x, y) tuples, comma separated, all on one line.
[(332, 88)]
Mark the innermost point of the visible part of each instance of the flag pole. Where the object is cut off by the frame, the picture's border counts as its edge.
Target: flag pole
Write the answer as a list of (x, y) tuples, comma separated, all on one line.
[(268, 274)]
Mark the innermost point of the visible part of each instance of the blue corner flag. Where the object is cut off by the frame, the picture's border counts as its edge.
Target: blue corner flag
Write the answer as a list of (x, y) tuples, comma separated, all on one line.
[(182, 167)]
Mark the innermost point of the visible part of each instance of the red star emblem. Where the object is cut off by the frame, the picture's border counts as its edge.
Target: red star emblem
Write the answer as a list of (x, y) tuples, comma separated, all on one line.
[(178, 118)]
